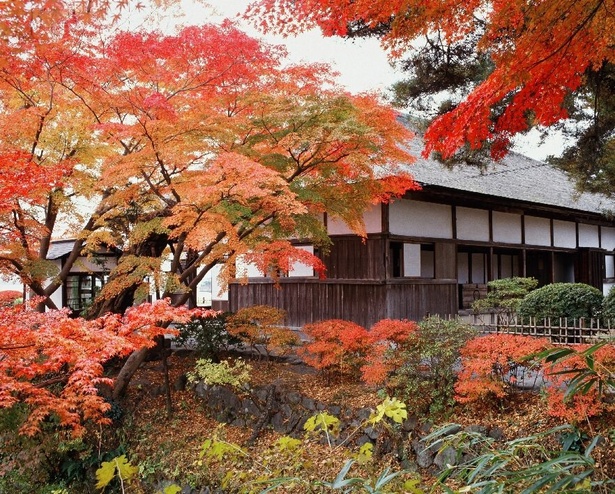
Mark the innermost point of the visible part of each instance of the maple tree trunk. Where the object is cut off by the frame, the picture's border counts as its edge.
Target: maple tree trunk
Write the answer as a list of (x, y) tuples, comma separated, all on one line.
[(118, 303), (127, 371)]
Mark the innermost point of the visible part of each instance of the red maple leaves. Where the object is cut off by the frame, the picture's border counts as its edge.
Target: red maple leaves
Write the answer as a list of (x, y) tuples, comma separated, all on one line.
[(54, 363)]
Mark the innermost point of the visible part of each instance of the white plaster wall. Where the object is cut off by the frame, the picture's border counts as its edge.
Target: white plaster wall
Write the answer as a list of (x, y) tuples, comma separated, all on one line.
[(608, 238), (211, 287), (372, 219), (299, 269), (246, 269), (506, 227), (217, 292), (564, 234), (472, 224), (588, 236), (609, 265), (537, 231), (421, 219), (56, 297)]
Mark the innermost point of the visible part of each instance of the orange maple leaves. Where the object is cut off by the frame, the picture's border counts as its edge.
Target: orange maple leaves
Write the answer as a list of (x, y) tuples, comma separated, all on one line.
[(489, 371), (347, 348), (204, 139)]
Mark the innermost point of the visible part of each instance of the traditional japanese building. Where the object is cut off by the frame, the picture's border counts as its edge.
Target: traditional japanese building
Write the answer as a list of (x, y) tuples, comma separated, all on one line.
[(434, 251)]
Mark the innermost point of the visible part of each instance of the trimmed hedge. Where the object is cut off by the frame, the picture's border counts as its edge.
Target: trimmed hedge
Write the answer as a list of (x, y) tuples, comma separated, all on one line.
[(571, 300)]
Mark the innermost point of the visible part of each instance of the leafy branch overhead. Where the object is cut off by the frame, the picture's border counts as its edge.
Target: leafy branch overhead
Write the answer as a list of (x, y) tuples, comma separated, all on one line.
[(487, 70)]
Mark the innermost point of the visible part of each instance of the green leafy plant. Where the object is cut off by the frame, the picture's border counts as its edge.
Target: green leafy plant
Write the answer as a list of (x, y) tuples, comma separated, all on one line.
[(208, 335), (346, 484), (525, 465), (289, 464), (608, 306), (425, 380), (323, 422), (581, 377), (119, 468), (562, 300), (226, 373)]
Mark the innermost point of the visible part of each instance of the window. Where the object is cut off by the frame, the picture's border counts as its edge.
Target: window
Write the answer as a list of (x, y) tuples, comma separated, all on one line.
[(505, 264), (412, 260), (471, 265), (204, 292), (82, 289), (609, 265)]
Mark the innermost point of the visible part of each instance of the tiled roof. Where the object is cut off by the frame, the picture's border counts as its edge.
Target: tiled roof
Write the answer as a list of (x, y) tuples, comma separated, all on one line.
[(515, 177), (60, 248)]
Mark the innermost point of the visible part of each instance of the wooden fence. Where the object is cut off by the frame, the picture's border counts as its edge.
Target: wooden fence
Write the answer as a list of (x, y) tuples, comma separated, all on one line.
[(562, 331)]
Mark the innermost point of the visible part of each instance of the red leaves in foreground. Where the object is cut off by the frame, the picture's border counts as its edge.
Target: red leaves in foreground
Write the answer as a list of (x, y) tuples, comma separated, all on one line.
[(54, 363), (488, 362), (336, 345)]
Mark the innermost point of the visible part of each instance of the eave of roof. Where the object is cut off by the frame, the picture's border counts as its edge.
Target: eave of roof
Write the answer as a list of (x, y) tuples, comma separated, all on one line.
[(515, 177)]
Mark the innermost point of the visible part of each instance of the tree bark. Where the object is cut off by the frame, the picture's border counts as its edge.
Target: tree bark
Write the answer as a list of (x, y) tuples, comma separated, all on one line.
[(152, 247), (128, 370)]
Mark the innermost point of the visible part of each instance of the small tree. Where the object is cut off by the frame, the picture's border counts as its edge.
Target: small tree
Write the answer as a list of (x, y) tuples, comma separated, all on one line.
[(261, 328), (426, 379), (388, 339), (489, 364), (208, 335), (608, 306), (53, 364), (336, 346), (505, 295)]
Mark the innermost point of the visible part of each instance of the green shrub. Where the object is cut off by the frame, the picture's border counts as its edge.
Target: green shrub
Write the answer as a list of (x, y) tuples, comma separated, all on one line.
[(208, 334), (506, 294), (236, 374), (527, 464), (562, 300), (608, 306), (426, 380)]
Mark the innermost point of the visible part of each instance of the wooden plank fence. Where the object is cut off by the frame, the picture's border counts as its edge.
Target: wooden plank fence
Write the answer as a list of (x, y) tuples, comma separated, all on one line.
[(563, 331)]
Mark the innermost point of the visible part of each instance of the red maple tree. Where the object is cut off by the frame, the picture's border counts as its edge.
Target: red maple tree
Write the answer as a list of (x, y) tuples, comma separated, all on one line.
[(194, 148)]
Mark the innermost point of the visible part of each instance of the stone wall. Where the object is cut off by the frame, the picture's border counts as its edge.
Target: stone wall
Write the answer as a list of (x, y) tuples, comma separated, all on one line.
[(286, 412)]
